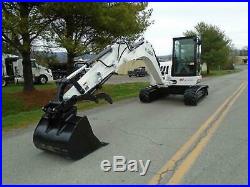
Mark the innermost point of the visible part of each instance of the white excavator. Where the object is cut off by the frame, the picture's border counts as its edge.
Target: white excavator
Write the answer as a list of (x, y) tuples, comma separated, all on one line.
[(60, 130)]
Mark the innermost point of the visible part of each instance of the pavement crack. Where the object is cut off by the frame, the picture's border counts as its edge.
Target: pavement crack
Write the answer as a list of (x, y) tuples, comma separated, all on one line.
[(176, 163)]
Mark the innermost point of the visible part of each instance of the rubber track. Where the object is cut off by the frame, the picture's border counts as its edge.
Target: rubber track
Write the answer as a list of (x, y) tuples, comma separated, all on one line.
[(150, 94), (194, 94)]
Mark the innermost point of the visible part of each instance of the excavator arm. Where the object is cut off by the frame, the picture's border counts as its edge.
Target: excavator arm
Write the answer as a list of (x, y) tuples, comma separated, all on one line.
[(60, 130), (107, 62)]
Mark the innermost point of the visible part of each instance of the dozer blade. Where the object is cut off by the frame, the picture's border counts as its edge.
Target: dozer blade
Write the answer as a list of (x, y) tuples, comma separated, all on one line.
[(73, 139)]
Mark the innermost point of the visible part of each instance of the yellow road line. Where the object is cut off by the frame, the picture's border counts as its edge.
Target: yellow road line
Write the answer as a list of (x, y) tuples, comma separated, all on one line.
[(192, 157), (180, 154)]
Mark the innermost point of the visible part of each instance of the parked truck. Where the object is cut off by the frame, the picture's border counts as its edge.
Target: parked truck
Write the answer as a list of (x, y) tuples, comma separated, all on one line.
[(138, 72), (12, 70)]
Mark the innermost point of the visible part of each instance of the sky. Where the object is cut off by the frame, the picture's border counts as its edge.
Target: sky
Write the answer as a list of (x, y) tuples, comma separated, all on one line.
[(171, 19)]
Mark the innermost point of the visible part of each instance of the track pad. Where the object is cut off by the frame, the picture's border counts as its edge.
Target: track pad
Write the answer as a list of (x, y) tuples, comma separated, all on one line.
[(104, 96)]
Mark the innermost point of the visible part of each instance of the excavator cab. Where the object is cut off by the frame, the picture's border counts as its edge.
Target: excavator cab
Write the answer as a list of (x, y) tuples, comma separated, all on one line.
[(186, 56)]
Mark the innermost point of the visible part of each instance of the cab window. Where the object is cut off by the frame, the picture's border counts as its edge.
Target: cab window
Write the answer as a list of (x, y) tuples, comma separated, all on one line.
[(184, 61)]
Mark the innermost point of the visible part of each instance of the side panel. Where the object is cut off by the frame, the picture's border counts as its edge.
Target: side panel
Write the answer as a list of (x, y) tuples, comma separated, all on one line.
[(18, 68), (185, 81)]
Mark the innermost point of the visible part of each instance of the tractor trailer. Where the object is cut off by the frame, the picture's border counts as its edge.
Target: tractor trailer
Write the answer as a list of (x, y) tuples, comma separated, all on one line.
[(12, 70)]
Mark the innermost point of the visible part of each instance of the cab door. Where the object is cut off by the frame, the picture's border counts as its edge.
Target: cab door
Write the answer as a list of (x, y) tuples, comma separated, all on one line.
[(185, 57)]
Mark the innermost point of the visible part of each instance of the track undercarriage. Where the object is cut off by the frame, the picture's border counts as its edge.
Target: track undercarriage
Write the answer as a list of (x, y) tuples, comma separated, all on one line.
[(192, 94)]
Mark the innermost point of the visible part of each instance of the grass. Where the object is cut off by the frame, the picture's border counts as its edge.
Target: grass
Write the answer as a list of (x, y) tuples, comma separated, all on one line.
[(20, 110), (13, 88), (14, 101), (221, 72)]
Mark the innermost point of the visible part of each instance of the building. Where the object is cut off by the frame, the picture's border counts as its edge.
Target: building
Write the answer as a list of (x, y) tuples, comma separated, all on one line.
[(241, 60)]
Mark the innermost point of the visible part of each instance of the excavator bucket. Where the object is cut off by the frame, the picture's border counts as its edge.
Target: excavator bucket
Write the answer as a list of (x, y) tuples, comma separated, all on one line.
[(72, 137)]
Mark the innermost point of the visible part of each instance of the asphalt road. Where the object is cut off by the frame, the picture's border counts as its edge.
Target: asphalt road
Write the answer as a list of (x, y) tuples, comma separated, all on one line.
[(154, 131)]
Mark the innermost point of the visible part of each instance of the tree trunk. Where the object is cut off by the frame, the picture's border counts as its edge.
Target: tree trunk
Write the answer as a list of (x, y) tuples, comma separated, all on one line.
[(70, 62), (27, 73), (70, 49), (208, 69), (26, 47)]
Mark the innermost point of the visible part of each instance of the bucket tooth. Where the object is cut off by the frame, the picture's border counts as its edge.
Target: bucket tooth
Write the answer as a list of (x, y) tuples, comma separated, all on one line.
[(72, 137)]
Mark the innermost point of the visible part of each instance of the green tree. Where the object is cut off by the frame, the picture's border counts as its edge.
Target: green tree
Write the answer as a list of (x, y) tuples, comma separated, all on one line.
[(45, 58), (8, 49), (22, 25), (84, 27), (215, 45)]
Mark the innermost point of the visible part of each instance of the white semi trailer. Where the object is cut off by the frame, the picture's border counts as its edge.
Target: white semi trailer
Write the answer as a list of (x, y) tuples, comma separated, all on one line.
[(12, 70)]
